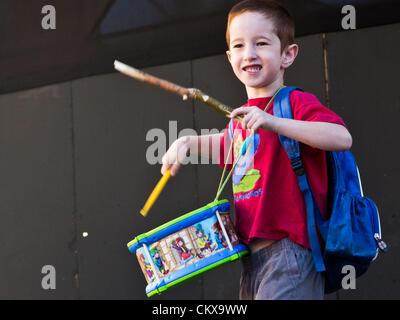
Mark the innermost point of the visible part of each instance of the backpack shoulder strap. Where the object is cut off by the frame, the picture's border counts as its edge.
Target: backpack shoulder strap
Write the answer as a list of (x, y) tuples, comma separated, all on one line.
[(282, 109)]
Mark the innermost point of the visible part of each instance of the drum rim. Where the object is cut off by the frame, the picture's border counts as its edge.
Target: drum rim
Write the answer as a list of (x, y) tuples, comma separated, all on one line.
[(134, 244)]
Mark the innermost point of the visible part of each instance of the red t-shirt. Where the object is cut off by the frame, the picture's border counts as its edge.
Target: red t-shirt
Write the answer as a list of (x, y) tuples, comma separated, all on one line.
[(268, 201)]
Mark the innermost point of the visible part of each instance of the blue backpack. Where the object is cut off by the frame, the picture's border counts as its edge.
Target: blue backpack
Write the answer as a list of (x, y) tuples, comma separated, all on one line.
[(352, 233)]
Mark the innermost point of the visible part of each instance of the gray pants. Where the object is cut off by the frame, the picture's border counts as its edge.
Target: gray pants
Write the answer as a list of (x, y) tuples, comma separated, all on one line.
[(281, 271)]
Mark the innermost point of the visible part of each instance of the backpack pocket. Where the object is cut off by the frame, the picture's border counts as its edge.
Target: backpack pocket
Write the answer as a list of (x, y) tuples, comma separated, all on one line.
[(352, 227), (353, 224)]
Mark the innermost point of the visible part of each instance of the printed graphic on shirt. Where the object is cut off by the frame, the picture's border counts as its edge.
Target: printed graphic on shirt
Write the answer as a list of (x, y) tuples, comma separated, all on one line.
[(245, 176), (248, 181), (248, 195)]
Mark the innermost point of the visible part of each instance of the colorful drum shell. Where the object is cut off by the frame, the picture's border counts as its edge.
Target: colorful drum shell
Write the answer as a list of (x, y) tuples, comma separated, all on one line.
[(187, 246)]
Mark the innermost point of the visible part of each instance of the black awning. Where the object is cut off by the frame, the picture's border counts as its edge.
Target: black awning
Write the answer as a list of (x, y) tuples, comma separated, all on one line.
[(91, 34)]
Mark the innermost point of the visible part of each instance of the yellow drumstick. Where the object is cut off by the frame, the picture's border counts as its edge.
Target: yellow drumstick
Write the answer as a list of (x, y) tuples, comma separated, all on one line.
[(156, 192)]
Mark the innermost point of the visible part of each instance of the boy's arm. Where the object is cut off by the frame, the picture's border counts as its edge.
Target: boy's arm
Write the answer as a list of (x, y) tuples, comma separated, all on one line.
[(322, 135), (203, 145), (208, 146)]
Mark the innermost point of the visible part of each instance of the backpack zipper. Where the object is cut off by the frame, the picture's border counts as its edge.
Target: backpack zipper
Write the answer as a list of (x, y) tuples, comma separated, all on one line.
[(381, 244), (377, 235)]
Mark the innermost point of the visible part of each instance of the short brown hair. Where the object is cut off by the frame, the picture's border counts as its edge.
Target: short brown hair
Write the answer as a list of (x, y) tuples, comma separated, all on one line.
[(283, 20)]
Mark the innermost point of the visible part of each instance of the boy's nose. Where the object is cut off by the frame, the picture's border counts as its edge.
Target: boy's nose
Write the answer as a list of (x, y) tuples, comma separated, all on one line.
[(250, 53)]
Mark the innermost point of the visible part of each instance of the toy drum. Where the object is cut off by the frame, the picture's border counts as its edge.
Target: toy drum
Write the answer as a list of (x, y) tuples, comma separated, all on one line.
[(187, 246)]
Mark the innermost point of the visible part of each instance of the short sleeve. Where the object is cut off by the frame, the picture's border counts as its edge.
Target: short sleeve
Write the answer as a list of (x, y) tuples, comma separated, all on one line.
[(306, 107)]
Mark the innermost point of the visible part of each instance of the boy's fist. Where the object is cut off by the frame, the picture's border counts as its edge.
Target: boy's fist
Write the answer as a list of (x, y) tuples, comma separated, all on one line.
[(254, 118), (175, 155)]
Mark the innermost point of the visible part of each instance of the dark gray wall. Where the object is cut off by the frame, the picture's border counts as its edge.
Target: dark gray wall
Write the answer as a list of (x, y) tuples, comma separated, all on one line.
[(73, 160)]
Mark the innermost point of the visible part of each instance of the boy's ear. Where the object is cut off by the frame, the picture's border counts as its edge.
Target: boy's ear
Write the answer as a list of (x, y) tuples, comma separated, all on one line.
[(289, 54), (228, 54)]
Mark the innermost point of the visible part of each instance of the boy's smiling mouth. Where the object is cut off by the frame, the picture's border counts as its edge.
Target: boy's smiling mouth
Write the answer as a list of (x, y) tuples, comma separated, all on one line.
[(254, 68)]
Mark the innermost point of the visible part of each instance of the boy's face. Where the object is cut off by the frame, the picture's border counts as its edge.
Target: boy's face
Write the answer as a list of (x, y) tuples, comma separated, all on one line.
[(255, 54)]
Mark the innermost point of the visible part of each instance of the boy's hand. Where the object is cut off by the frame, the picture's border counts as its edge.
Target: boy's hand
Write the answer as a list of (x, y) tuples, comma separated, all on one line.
[(176, 153), (255, 118)]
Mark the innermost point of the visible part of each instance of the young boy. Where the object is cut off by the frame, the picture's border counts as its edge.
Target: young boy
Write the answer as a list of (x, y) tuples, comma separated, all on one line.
[(270, 212)]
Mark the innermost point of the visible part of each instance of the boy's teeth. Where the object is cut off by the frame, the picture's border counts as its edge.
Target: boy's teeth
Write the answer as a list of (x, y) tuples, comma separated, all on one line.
[(252, 69)]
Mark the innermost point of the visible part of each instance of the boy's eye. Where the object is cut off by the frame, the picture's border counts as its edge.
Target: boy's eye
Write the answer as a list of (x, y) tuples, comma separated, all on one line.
[(238, 45), (262, 43)]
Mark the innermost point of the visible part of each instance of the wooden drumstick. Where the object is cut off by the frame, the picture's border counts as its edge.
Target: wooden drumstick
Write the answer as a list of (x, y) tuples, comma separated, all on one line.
[(185, 93), (156, 192)]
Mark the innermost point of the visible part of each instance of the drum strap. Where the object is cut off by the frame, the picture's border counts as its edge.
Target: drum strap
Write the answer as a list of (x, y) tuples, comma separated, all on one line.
[(243, 152)]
